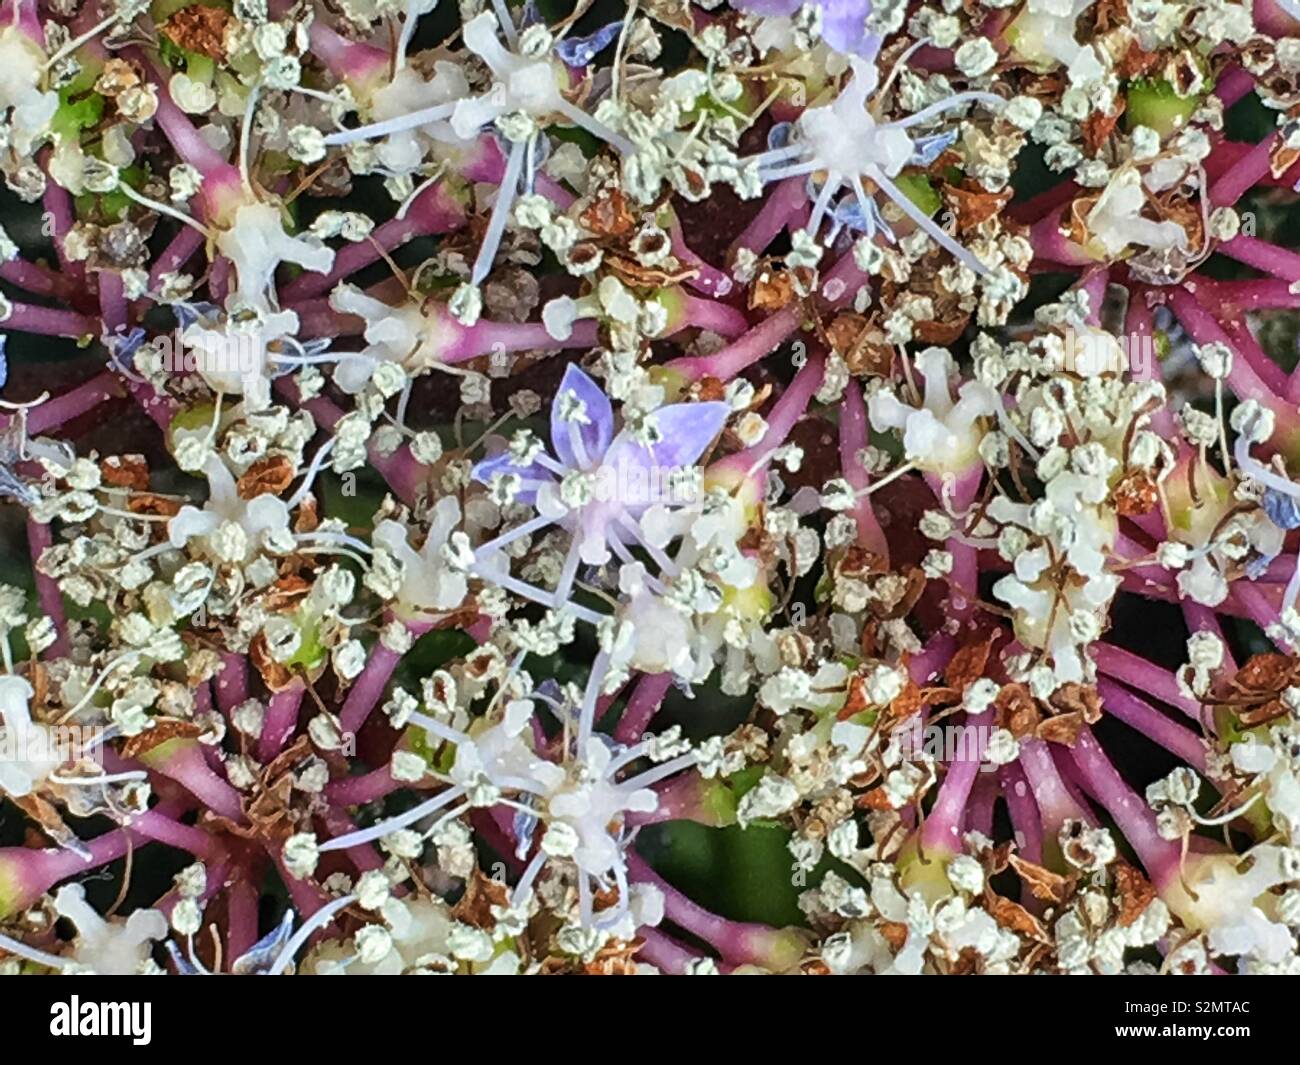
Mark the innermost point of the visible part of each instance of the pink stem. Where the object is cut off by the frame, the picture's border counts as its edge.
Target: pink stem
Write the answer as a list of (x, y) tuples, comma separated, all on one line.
[(853, 439), (34, 278), (942, 829), (1278, 262), (1026, 822), (26, 873), (184, 763), (778, 207), (644, 703), (785, 414), (716, 317), (368, 787), (363, 855), (433, 211), (39, 539), (48, 321), (61, 216), (708, 279), (1055, 803), (368, 688), (1144, 676), (980, 809), (1135, 818), (1233, 84), (242, 902), (62, 409), (769, 334), (664, 952), (1243, 378), (403, 474), (232, 682), (281, 722), (1140, 715), (738, 942), (1244, 174), (161, 829), (182, 248)]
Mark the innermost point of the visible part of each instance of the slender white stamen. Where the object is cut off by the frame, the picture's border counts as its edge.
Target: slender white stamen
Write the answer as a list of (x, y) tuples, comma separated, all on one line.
[(587, 718), (660, 772), (161, 208), (437, 728), (309, 478), (525, 885), (923, 220), (951, 103), (597, 129), (84, 701), (40, 957), (398, 124), (500, 213), (390, 825), (314, 923), (517, 533), (105, 778)]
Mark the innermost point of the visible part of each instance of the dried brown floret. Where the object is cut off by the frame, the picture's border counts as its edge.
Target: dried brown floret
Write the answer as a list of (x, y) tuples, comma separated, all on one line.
[(267, 476), (125, 471), (1135, 892), (198, 28)]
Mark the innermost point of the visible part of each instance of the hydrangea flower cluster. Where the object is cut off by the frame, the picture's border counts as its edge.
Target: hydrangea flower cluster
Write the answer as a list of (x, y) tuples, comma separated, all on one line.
[(503, 480)]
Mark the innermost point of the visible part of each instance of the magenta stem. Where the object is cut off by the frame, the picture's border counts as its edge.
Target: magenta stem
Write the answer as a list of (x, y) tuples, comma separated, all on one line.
[(785, 414), (154, 826), (60, 214), (644, 703), (664, 952), (232, 682), (979, 811), (708, 279), (942, 829), (178, 252), (853, 439), (1144, 676), (187, 766), (281, 722), (1243, 378), (26, 873), (1135, 818), (1138, 714), (48, 321), (403, 474), (1055, 803), (779, 206), (738, 942), (113, 311), (1026, 821), (1233, 84), (39, 539), (32, 277), (242, 901), (1278, 262), (716, 317), (434, 211), (367, 787), (346, 59), (363, 855), (187, 140), (1244, 174), (369, 687), (489, 338), (62, 409), (765, 337)]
